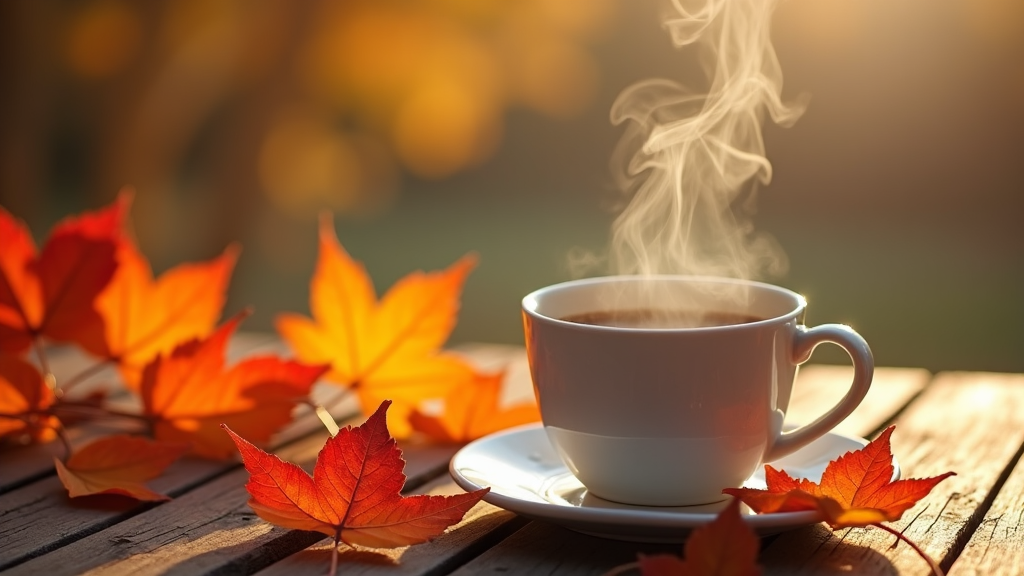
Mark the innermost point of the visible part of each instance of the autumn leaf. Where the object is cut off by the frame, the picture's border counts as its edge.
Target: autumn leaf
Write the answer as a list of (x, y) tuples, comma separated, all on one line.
[(118, 464), (144, 317), (386, 349), (856, 489), (473, 411), (24, 397), (724, 547), (189, 393), (51, 293), (354, 494)]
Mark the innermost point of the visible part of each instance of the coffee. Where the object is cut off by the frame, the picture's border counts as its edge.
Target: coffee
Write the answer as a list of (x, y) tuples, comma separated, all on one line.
[(651, 318)]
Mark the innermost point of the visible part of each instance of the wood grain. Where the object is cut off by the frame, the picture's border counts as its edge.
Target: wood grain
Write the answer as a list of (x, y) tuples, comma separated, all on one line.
[(543, 548), (996, 547), (821, 386), (482, 526), (972, 424), (26, 464), (207, 529), (39, 517)]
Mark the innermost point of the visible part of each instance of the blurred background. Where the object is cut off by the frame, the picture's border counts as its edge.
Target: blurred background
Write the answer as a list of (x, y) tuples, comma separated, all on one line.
[(432, 128)]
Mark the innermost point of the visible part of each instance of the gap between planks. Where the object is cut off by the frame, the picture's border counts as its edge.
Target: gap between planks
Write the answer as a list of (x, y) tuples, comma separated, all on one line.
[(26, 464), (814, 379), (544, 548), (971, 423), (994, 542), (39, 518), (32, 531)]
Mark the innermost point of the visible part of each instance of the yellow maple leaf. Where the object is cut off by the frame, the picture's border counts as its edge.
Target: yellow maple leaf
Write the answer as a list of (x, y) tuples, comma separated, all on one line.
[(387, 349)]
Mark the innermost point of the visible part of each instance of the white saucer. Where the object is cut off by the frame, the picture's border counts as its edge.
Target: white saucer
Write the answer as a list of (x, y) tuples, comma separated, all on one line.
[(527, 477)]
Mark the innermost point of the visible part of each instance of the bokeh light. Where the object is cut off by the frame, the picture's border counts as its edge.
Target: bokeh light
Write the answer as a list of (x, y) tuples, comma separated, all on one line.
[(436, 127)]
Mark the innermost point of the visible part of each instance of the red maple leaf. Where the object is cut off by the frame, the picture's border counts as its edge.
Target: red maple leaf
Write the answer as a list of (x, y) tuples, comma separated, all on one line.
[(51, 293), (144, 317), (119, 464), (725, 547), (24, 401), (190, 392), (856, 489), (354, 494)]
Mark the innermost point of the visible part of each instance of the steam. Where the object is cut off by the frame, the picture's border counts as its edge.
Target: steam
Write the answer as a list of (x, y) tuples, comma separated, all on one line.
[(693, 158)]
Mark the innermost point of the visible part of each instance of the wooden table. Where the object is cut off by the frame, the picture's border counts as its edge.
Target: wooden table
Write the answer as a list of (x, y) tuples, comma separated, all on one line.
[(973, 523)]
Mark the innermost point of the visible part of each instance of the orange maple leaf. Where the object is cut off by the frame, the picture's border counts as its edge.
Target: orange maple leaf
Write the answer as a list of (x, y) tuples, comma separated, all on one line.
[(24, 397), (144, 317), (354, 494), (724, 547), (856, 489), (51, 293), (472, 411), (189, 393), (118, 464), (387, 349)]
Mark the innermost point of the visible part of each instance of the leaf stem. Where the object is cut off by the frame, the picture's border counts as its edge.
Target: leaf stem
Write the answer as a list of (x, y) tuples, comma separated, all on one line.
[(58, 428), (334, 552), (48, 377), (62, 434), (323, 412), (106, 411), (327, 420), (86, 374), (900, 536)]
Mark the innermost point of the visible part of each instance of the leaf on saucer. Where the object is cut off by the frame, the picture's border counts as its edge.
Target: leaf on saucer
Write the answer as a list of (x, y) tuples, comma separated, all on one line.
[(725, 547), (856, 489), (473, 411)]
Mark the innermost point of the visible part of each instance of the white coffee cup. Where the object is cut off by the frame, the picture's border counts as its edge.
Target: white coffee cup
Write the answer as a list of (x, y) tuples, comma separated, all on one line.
[(669, 416)]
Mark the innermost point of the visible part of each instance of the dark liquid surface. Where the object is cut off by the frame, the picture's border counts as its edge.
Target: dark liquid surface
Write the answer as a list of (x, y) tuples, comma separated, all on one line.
[(649, 318)]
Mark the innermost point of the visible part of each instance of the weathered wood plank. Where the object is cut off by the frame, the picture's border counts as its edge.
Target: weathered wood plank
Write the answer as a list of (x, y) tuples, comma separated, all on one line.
[(482, 526), (820, 386), (543, 548), (39, 517), (190, 535), (207, 529), (971, 423), (996, 547), (20, 465), (25, 464)]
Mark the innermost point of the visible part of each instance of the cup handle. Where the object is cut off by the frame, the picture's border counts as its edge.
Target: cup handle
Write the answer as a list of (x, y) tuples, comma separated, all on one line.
[(804, 341)]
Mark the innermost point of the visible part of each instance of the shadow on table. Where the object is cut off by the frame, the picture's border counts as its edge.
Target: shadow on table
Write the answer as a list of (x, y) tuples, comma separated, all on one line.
[(818, 550)]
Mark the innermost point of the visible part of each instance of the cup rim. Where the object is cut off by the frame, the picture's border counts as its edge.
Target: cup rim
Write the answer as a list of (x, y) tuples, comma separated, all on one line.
[(530, 302)]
